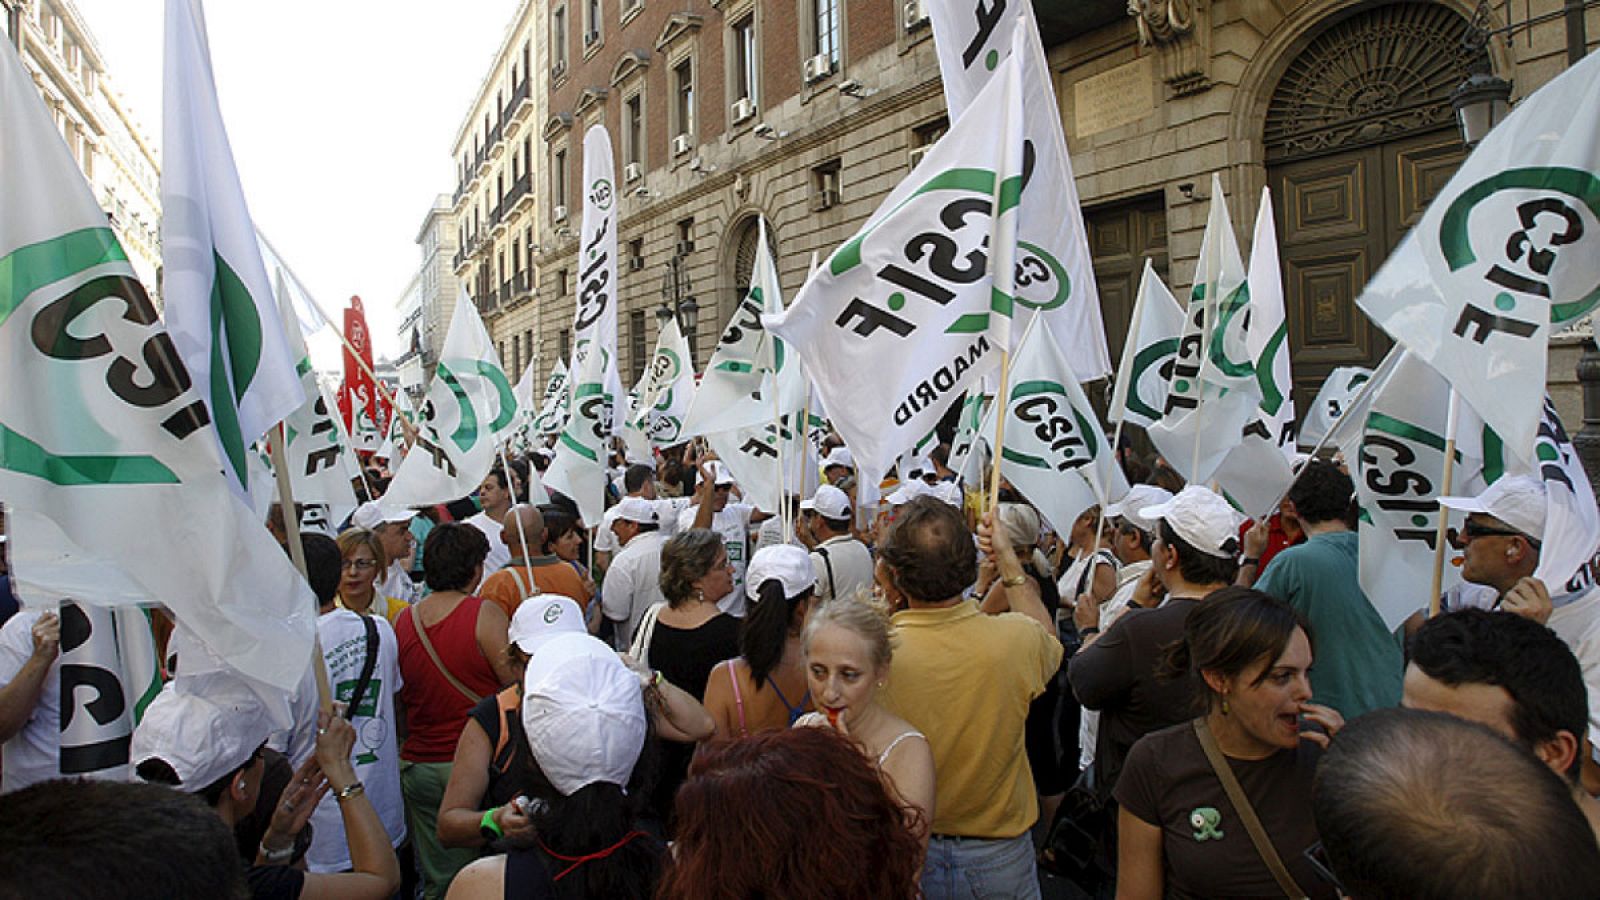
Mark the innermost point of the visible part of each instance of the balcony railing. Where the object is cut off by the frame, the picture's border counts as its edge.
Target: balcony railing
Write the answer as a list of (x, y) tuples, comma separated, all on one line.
[(521, 103), (520, 195)]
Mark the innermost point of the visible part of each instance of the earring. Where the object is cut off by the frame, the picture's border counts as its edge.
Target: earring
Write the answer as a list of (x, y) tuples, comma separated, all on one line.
[(1224, 704)]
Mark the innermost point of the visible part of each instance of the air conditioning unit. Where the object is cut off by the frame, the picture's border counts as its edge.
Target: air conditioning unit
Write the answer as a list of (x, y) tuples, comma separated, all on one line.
[(680, 145), (635, 263), (743, 108), (827, 198), (915, 15), (818, 67), (559, 214), (685, 248), (592, 38), (917, 153), (632, 172)]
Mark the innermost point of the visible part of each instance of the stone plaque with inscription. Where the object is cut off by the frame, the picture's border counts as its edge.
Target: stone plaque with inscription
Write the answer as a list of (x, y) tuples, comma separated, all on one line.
[(1114, 97)]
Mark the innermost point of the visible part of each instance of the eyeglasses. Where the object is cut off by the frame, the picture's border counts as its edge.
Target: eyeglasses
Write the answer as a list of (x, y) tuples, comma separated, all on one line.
[(1471, 530), (1318, 858), (359, 564)]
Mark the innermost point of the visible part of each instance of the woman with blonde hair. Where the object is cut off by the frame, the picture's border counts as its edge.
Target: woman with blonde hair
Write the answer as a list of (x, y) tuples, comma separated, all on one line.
[(849, 644), (365, 563)]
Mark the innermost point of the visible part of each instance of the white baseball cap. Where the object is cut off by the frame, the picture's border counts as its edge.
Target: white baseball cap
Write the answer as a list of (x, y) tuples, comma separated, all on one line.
[(1135, 501), (720, 473), (828, 502), (373, 513), (204, 726), (542, 617), (838, 456), (1203, 519), (949, 492), (1517, 500), (636, 509), (909, 490), (583, 713), (789, 563)]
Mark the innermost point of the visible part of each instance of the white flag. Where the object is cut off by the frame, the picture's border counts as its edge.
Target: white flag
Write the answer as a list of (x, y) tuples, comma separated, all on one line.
[(968, 449), (393, 447), (318, 469), (1054, 452), (1257, 473), (219, 304), (1213, 394), (307, 311), (1140, 392), (1508, 250), (1572, 520), (108, 674), (668, 389), (553, 409), (898, 322), (109, 445), (469, 410), (1333, 399), (595, 320), (733, 393), (579, 467), (1055, 273)]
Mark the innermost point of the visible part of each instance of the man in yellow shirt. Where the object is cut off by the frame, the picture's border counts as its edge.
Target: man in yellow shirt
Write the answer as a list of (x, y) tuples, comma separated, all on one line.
[(965, 679)]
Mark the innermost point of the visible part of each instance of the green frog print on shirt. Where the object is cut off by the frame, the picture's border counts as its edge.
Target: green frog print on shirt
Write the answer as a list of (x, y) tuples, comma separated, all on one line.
[(1205, 821)]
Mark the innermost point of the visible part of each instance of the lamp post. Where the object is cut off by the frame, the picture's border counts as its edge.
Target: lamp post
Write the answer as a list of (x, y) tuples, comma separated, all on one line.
[(1483, 100), (677, 301)]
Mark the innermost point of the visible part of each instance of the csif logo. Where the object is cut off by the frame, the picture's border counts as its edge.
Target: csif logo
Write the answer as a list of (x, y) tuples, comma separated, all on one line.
[(601, 195), (1055, 435)]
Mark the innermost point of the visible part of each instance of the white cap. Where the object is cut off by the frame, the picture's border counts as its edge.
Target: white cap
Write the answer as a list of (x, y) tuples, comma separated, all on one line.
[(1021, 522), (949, 492), (583, 713), (828, 502), (720, 473), (1135, 501), (636, 509), (204, 726), (1203, 519), (838, 456), (1517, 500), (542, 617), (789, 563), (909, 490), (373, 513)]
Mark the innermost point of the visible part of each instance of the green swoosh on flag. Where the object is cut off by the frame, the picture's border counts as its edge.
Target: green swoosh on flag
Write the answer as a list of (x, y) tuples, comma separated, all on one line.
[(508, 399), (29, 268), (1271, 397), (466, 433), (978, 181), (1144, 359), (24, 456), (235, 357)]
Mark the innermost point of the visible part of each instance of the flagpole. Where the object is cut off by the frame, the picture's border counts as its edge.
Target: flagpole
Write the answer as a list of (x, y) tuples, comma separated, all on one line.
[(291, 527), (1439, 543), (511, 485)]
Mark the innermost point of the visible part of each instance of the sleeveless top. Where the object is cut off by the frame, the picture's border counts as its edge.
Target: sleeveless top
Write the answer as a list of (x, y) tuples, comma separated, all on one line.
[(818, 719), (435, 711)]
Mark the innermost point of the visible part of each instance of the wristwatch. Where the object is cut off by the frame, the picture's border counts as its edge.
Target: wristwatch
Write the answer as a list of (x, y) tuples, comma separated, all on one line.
[(1014, 580), (276, 857)]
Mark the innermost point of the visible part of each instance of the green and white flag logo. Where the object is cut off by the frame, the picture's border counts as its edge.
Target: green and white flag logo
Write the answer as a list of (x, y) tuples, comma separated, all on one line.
[(556, 402), (108, 455), (1140, 393), (668, 389), (1508, 249)]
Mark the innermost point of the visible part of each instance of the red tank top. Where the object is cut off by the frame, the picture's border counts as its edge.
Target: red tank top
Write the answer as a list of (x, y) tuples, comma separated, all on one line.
[(435, 711)]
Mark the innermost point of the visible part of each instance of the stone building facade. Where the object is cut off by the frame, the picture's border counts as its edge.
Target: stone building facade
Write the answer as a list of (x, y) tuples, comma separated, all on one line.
[(119, 162), (808, 113), (430, 299)]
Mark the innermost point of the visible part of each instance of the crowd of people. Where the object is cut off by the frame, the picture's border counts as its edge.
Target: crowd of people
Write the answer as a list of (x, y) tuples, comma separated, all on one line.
[(696, 698)]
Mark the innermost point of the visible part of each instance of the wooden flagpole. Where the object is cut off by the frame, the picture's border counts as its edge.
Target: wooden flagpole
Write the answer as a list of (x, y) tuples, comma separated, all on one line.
[(1439, 542), (291, 526)]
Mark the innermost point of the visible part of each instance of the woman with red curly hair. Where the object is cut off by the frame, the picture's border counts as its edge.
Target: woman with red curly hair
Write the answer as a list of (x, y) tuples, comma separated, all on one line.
[(789, 814)]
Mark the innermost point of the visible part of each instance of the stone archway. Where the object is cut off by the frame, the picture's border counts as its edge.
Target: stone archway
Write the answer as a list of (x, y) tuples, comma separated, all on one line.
[(1358, 136)]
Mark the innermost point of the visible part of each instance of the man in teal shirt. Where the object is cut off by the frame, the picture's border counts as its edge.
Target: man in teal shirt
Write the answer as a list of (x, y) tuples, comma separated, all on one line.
[(1360, 665)]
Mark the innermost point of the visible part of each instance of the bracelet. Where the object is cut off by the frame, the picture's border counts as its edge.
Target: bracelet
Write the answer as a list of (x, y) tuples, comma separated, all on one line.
[(276, 857), (656, 680), (1013, 580), (1250, 561), (488, 827), (353, 789)]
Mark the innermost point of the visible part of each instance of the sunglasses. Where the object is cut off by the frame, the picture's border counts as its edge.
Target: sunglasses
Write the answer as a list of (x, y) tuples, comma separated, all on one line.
[(1318, 858), (1471, 530)]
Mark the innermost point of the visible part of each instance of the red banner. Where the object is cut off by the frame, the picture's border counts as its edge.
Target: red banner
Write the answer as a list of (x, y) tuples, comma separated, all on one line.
[(357, 392)]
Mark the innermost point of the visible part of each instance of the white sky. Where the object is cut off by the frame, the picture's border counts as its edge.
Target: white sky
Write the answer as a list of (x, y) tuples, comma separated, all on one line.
[(341, 114)]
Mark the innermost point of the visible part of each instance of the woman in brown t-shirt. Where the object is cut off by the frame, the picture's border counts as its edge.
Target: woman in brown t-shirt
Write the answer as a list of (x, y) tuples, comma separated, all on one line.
[(1179, 835)]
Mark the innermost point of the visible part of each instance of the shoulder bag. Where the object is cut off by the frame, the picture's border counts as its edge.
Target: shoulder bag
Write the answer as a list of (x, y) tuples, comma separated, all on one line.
[(1247, 813), (422, 637)]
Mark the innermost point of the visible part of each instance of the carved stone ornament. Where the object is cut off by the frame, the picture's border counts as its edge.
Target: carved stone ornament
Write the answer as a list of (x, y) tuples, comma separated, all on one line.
[(1180, 32)]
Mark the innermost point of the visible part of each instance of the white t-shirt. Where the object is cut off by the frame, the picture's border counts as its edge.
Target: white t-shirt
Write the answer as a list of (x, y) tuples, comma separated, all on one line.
[(667, 510), (398, 584), (499, 553), (33, 754), (376, 754), (848, 566), (1577, 621), (771, 533), (733, 523), (633, 584)]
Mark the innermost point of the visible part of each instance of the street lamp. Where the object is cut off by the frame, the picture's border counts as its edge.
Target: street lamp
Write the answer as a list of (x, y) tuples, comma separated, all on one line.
[(1483, 100), (676, 299)]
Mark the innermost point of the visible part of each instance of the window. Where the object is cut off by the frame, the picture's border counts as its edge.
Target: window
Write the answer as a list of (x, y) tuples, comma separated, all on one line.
[(633, 130), (826, 37), (527, 345), (924, 136), (591, 23), (683, 98), (638, 348), (636, 254), (558, 41), (744, 58), (561, 282), (558, 178), (825, 185), (565, 345), (685, 236)]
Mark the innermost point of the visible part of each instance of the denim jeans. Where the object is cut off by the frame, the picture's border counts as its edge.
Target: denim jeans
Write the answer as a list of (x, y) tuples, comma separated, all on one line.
[(976, 869)]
